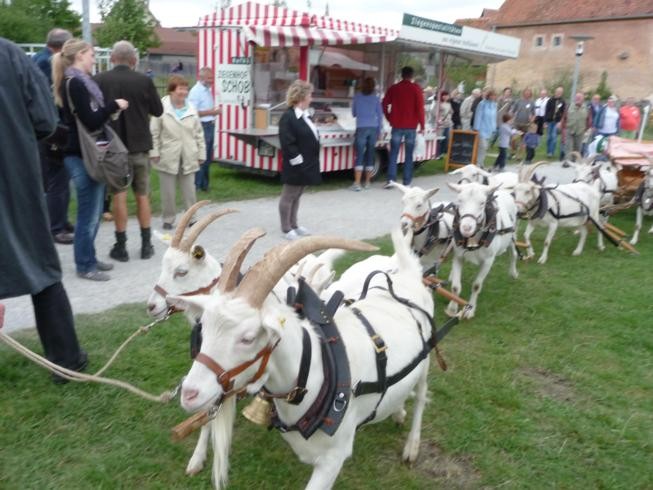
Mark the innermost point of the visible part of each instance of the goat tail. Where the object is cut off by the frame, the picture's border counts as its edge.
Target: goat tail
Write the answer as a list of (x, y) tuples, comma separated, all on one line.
[(222, 427)]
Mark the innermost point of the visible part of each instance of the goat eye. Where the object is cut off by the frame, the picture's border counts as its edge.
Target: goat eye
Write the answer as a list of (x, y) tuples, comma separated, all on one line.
[(247, 340), (180, 273)]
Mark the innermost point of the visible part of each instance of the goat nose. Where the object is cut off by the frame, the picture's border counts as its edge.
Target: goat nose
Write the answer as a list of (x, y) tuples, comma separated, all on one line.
[(189, 394), (150, 307)]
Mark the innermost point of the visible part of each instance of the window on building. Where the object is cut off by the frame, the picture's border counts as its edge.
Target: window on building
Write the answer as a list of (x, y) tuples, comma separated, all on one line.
[(556, 40), (538, 41)]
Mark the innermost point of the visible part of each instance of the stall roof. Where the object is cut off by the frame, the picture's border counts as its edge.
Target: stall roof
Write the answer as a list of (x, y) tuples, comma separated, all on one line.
[(308, 36)]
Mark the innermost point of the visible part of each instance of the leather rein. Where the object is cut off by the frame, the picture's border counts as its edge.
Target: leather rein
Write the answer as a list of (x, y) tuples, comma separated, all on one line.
[(203, 290)]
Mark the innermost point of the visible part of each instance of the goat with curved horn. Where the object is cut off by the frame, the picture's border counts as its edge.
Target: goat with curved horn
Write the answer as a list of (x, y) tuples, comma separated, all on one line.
[(529, 170), (183, 222), (262, 277), (201, 225), (234, 260)]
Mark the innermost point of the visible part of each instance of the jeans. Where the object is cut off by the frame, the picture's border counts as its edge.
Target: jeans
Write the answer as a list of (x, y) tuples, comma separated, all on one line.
[(408, 135), (90, 198), (56, 185), (365, 144), (501, 159), (530, 154), (551, 137), (202, 175)]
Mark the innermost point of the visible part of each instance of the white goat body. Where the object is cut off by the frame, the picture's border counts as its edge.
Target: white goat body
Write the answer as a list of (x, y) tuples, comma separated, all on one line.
[(605, 173), (471, 203), (568, 205), (234, 331), (645, 204), (472, 173)]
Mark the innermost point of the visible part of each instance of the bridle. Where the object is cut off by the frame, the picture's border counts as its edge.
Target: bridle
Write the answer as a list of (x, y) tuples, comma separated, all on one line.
[(419, 222), (203, 290), (225, 378)]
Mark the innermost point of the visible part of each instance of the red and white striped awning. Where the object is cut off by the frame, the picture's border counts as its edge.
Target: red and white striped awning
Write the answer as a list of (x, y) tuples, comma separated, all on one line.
[(309, 36)]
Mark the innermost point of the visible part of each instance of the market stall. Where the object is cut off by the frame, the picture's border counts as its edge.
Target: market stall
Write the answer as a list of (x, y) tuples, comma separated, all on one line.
[(258, 50)]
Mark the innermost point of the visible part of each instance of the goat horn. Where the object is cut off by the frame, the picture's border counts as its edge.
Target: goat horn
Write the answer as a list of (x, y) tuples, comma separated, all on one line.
[(262, 277), (578, 157), (530, 169), (183, 222), (312, 272), (234, 260), (200, 226)]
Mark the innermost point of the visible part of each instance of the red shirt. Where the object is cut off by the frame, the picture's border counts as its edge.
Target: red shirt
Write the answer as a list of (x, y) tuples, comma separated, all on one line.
[(629, 118), (403, 105)]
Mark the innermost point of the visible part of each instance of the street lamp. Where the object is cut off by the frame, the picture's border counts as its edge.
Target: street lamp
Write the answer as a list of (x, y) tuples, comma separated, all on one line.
[(580, 46)]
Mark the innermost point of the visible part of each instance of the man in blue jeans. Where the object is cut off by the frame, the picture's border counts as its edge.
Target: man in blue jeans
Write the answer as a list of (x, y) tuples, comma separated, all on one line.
[(555, 110), (201, 96), (403, 106)]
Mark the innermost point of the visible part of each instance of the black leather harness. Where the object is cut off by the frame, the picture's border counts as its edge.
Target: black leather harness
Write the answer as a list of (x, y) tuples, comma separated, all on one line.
[(487, 227), (641, 194), (432, 229)]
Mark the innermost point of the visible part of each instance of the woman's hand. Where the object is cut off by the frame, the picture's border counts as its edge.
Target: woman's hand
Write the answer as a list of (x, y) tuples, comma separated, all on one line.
[(122, 104)]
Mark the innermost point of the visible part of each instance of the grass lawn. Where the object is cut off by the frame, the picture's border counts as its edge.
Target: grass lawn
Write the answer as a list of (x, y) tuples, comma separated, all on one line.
[(550, 386)]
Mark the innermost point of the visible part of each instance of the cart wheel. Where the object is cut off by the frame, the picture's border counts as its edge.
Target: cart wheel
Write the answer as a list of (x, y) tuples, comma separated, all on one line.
[(380, 163)]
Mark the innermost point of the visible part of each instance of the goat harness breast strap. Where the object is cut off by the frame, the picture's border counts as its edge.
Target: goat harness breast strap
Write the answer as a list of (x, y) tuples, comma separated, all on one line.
[(487, 224)]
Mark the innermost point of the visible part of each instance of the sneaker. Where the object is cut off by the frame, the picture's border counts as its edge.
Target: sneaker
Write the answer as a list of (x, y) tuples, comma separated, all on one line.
[(168, 226), (63, 238), (291, 235), (79, 366), (103, 266), (301, 231), (366, 185), (355, 187), (147, 251), (389, 184), (94, 276), (119, 253)]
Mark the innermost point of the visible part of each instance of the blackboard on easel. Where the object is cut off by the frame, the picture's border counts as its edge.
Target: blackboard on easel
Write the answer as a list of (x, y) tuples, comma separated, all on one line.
[(463, 146)]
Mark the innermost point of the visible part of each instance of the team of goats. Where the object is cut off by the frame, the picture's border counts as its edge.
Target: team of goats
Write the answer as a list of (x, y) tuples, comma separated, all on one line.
[(334, 355)]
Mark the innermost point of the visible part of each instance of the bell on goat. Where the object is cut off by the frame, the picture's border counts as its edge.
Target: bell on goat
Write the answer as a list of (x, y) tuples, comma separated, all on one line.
[(258, 411)]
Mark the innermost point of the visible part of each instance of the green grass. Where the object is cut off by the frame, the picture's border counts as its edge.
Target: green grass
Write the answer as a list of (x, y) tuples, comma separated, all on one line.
[(550, 386)]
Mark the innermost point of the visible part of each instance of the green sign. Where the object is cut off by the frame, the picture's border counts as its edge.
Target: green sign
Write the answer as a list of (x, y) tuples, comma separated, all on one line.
[(432, 25), (240, 60)]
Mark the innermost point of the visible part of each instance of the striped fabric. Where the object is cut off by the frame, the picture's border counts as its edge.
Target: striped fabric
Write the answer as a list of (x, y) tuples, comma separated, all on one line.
[(283, 36)]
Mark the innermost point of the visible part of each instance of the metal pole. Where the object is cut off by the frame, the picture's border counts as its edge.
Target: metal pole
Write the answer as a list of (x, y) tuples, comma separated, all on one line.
[(574, 82), (86, 21)]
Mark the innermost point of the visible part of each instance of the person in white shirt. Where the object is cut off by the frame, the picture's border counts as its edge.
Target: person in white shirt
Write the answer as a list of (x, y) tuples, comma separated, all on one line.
[(201, 97), (540, 109)]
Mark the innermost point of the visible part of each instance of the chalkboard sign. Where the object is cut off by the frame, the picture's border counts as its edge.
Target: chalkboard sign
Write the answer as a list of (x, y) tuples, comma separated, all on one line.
[(463, 146)]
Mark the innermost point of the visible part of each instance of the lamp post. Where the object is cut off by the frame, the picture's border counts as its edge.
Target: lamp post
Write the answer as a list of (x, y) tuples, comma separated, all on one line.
[(580, 47)]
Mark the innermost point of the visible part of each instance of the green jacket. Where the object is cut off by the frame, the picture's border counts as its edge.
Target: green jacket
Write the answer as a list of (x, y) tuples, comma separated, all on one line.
[(577, 119)]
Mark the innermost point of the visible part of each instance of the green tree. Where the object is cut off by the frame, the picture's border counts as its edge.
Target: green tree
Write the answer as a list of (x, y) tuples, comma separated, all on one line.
[(129, 20), (603, 89), (472, 75), (28, 21)]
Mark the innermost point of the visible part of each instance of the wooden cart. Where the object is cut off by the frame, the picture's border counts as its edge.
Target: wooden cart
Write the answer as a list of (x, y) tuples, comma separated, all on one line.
[(629, 157)]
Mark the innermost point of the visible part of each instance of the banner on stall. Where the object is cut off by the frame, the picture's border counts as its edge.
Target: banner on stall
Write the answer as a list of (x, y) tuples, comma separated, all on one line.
[(234, 83)]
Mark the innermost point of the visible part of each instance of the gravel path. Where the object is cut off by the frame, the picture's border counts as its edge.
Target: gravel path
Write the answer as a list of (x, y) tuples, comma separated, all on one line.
[(360, 215)]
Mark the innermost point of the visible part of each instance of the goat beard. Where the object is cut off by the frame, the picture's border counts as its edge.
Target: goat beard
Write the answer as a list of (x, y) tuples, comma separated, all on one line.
[(222, 427)]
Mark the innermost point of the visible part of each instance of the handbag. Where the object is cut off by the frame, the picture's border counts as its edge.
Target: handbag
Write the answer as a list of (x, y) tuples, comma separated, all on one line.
[(103, 152)]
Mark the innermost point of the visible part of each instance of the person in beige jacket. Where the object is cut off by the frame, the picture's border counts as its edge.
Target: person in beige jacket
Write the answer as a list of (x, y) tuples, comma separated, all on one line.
[(178, 148)]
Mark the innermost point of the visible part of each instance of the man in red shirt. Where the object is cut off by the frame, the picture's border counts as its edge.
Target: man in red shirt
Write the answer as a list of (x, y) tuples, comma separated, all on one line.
[(629, 118), (403, 106)]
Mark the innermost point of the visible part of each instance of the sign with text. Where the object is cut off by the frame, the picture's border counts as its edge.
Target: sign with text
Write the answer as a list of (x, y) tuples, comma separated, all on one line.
[(234, 83)]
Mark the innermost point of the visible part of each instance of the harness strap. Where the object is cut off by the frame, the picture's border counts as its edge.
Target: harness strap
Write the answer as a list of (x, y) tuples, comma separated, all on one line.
[(296, 395), (584, 210), (381, 358)]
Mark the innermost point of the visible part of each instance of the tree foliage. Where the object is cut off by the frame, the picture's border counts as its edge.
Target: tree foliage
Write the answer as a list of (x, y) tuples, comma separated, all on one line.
[(603, 89), (128, 20), (28, 21)]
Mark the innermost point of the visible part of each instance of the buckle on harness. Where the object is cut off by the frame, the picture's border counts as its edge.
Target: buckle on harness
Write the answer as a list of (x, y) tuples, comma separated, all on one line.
[(294, 393), (379, 345)]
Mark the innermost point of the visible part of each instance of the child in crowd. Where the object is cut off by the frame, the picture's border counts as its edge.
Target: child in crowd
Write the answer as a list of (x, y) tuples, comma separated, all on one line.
[(531, 142), (506, 132)]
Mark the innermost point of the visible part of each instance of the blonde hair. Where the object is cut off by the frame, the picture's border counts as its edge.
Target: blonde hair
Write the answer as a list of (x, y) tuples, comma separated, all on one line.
[(65, 59), (297, 92)]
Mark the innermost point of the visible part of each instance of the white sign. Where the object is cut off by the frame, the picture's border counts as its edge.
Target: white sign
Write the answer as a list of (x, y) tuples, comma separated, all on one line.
[(234, 83), (461, 39)]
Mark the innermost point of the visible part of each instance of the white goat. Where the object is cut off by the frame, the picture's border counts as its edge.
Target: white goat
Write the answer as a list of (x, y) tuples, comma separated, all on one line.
[(472, 173), (590, 170), (571, 205), (252, 340), (484, 228), (644, 199)]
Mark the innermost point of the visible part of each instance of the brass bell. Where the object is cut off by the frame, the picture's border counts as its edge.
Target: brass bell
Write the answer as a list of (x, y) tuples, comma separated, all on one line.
[(259, 411)]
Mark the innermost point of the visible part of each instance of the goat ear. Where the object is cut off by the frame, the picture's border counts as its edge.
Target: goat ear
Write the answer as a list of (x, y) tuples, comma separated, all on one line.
[(483, 172), (432, 192), (197, 302), (399, 186), (454, 187), (198, 252), (456, 172), (492, 190)]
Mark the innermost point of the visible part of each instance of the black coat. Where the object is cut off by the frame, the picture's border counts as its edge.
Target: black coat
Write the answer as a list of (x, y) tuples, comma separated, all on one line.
[(28, 260), (297, 138), (555, 109), (133, 125)]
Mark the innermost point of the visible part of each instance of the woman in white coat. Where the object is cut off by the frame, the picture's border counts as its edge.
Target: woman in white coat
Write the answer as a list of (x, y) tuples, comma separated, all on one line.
[(178, 148)]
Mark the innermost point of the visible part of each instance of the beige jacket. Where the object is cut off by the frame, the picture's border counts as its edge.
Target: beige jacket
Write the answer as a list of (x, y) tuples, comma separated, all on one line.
[(177, 140)]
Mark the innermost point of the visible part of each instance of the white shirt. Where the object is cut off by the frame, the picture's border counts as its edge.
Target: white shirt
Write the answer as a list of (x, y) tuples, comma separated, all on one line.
[(202, 98), (540, 106), (610, 121)]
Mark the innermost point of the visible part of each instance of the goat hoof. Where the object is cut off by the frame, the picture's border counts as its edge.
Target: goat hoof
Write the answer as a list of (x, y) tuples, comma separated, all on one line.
[(576, 253), (633, 242), (542, 260), (194, 467), (411, 450), (399, 417), (469, 314)]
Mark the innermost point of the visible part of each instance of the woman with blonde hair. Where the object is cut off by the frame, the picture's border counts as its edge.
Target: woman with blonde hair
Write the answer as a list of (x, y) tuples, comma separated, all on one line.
[(178, 148), (71, 74), (300, 148)]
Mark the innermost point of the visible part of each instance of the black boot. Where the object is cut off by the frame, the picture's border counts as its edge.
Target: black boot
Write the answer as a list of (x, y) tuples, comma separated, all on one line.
[(147, 249), (119, 252)]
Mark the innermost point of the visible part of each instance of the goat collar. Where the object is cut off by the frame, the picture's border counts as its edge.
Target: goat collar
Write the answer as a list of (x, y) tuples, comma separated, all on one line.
[(419, 222), (225, 378), (203, 290), (538, 209)]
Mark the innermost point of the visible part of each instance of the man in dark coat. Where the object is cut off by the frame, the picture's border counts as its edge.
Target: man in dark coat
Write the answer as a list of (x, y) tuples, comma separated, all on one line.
[(133, 127), (56, 181), (28, 258), (300, 148)]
